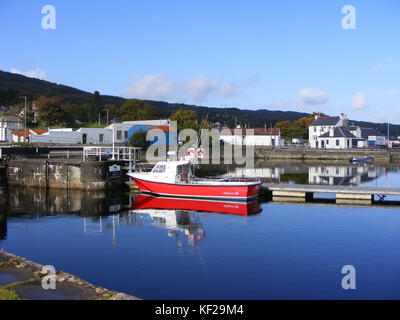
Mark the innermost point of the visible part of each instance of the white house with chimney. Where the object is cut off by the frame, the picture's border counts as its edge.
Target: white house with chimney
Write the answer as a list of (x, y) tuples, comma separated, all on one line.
[(323, 126)]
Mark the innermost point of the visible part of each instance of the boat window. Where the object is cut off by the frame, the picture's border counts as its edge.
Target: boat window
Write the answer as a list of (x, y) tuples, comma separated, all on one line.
[(186, 169), (159, 168)]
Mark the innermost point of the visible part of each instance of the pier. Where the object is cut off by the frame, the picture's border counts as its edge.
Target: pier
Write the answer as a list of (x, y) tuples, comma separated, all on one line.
[(344, 194)]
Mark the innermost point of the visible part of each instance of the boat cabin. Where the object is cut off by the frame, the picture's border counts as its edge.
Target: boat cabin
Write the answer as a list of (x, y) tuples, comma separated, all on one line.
[(172, 171)]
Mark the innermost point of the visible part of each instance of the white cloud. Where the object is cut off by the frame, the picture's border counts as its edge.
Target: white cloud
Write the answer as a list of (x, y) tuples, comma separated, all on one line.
[(36, 73), (388, 63), (358, 101), (313, 97), (160, 87), (393, 93)]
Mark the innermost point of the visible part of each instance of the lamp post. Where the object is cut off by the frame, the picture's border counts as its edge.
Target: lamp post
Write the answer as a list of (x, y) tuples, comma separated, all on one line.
[(113, 143), (24, 118)]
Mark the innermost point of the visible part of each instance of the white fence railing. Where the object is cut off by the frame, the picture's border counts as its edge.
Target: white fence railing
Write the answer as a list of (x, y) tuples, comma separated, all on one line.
[(131, 154)]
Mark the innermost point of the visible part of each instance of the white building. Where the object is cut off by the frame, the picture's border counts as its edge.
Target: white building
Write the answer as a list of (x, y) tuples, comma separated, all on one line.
[(270, 137), (335, 138), (368, 137), (85, 136), (322, 125), (8, 124), (122, 128)]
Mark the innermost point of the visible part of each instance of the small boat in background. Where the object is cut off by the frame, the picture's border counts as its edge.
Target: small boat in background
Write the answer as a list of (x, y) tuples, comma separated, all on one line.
[(363, 160)]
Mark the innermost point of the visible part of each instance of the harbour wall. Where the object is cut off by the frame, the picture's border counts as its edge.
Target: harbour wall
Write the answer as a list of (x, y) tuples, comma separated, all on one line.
[(381, 156), (64, 174)]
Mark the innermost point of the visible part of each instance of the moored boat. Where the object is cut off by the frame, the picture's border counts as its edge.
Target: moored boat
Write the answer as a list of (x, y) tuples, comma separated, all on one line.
[(366, 159), (174, 179)]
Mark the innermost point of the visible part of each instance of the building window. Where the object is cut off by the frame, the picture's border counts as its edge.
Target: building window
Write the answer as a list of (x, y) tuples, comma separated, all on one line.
[(327, 141), (337, 142), (101, 138), (126, 135), (315, 129), (119, 135)]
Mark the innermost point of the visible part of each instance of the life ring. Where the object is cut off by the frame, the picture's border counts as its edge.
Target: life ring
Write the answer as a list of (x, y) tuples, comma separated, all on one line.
[(201, 153), (191, 152)]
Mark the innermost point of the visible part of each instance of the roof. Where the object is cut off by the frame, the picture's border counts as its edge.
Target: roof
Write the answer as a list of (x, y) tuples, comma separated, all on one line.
[(39, 131), (164, 128), (257, 131), (328, 121), (367, 132), (20, 133), (9, 119), (353, 128), (338, 132)]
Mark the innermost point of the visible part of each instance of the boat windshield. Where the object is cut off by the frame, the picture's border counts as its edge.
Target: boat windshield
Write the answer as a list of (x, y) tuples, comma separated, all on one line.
[(159, 168)]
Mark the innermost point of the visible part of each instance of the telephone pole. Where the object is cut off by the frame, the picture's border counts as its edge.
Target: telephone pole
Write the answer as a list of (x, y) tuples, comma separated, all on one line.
[(24, 118)]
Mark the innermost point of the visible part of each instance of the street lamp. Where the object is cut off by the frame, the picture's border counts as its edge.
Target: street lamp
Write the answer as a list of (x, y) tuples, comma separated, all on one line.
[(24, 118)]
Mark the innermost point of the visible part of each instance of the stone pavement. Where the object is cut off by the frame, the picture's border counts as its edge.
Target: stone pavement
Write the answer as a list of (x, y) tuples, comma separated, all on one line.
[(24, 278)]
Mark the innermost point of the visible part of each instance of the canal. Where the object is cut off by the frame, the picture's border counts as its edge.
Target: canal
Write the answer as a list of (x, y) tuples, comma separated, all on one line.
[(280, 251)]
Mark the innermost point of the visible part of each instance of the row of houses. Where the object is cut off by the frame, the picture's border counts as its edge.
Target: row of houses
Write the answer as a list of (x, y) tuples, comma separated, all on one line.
[(324, 133), (12, 131), (335, 133)]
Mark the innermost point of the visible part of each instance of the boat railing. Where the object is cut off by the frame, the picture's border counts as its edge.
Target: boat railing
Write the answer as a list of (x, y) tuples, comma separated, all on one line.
[(224, 179)]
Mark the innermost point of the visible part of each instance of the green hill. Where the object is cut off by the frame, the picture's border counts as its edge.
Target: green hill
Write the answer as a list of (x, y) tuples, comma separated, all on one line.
[(14, 85)]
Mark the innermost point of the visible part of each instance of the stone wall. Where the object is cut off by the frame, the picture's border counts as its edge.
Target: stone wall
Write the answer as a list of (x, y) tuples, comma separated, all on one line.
[(62, 174), (381, 156)]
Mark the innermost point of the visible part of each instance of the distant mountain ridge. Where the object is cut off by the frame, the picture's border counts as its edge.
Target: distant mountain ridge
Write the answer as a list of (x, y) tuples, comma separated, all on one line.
[(225, 116)]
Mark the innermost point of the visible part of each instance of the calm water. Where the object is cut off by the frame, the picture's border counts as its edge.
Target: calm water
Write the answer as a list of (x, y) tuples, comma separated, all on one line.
[(286, 251)]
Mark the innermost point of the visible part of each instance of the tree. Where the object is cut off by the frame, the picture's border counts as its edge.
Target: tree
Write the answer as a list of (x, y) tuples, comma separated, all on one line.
[(135, 110), (95, 107), (112, 112), (50, 110), (297, 128), (186, 119), (138, 139)]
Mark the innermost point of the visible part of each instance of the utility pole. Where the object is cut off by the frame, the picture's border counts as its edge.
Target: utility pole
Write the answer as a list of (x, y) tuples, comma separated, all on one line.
[(24, 118)]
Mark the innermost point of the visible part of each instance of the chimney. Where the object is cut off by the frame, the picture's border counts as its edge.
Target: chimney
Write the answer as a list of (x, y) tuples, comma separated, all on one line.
[(331, 132), (316, 117), (342, 116)]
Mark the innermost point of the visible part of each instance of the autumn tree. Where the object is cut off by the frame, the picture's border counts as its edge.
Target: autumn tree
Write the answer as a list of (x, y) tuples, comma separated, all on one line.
[(297, 128), (186, 119), (50, 110), (135, 109)]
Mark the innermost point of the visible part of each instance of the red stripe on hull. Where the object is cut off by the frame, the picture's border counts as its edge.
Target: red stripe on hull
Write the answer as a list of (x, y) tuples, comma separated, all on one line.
[(188, 190)]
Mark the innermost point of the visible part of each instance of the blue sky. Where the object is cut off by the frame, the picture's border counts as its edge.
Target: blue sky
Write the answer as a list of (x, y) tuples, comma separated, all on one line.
[(279, 55)]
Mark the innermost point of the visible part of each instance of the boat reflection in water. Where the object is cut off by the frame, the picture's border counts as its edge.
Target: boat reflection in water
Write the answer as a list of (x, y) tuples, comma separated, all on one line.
[(179, 215)]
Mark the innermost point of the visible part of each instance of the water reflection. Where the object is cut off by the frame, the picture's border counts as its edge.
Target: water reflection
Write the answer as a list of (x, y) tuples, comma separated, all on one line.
[(301, 173), (103, 211), (345, 176)]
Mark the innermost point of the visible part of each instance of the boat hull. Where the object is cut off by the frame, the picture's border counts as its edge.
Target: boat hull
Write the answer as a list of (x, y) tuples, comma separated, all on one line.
[(235, 192)]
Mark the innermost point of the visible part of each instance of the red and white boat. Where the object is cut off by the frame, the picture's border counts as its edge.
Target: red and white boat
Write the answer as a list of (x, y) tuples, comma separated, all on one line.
[(174, 179)]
